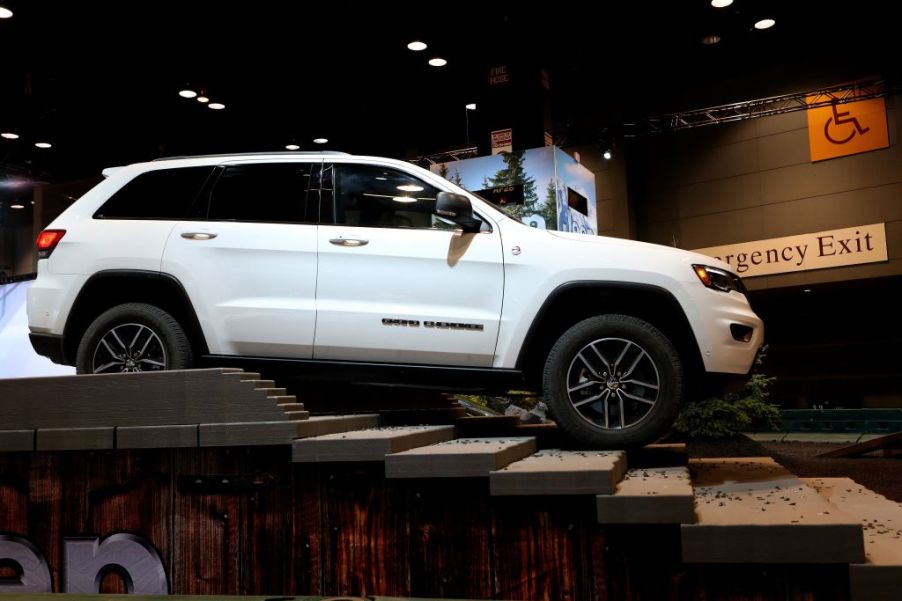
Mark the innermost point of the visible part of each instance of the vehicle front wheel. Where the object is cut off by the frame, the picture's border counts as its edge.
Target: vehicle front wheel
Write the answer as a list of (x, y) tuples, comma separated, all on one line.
[(133, 337), (613, 381)]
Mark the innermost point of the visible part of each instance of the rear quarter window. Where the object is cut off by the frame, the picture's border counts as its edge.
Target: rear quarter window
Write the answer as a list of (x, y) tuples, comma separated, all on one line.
[(163, 194)]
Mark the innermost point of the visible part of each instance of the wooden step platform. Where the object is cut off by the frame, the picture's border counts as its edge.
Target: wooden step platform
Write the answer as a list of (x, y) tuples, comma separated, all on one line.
[(462, 458), (879, 578), (555, 472), (661, 495), (751, 510), (371, 444)]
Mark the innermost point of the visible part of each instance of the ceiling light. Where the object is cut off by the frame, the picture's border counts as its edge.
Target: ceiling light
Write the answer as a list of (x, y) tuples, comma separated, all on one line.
[(438, 62), (203, 99), (43, 144), (765, 24), (320, 140), (471, 106), (216, 106), (292, 147), (710, 40), (186, 93), (9, 135), (607, 155), (5, 13), (410, 188), (404, 199), (17, 206), (721, 3), (417, 46)]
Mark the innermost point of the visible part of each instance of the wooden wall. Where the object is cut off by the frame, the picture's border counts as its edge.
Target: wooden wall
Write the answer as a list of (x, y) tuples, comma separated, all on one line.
[(345, 530)]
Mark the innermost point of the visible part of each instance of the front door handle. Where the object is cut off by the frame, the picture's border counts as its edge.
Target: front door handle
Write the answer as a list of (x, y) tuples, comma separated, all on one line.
[(198, 235), (349, 241)]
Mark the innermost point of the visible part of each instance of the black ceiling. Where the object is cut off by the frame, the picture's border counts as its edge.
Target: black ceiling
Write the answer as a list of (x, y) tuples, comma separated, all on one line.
[(99, 80)]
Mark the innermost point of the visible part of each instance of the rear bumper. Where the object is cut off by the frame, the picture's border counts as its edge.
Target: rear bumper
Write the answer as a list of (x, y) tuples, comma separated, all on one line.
[(50, 346)]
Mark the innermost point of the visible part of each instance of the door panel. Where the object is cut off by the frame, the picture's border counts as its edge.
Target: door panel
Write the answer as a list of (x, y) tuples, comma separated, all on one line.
[(415, 294)]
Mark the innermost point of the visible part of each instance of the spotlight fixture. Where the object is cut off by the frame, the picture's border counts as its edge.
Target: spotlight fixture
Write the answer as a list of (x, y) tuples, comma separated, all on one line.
[(765, 24), (9, 135), (203, 99), (216, 106), (607, 155), (417, 46), (471, 106), (721, 3), (292, 147), (437, 62), (710, 40), (320, 140), (186, 93), (5, 13), (43, 144)]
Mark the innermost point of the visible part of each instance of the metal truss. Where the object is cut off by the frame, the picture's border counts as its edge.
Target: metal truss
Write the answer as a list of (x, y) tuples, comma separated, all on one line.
[(763, 107), (446, 156)]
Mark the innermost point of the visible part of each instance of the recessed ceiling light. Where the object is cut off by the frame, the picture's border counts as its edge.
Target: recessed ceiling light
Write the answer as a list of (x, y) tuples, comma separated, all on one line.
[(410, 188), (765, 24), (186, 93), (320, 140), (807, 290), (216, 106), (9, 135), (404, 199), (203, 99), (710, 40), (471, 106), (721, 3), (5, 13), (607, 155), (43, 144), (292, 147), (438, 62), (17, 206), (417, 46)]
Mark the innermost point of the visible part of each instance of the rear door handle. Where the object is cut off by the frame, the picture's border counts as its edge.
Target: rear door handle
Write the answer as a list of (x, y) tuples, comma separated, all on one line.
[(349, 241), (198, 235)]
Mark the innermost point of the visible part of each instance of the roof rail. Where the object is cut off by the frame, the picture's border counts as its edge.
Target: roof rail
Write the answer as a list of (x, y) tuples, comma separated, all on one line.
[(245, 154)]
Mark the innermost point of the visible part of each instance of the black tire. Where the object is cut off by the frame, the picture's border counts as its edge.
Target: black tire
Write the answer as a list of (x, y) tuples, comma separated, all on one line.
[(172, 343), (565, 370)]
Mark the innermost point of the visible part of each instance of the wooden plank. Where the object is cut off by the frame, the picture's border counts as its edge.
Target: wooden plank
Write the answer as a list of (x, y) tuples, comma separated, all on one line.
[(366, 531), (74, 439), (156, 437), (462, 458), (555, 472), (16, 440), (879, 578), (751, 510), (14, 492), (660, 495), (247, 433), (371, 444), (867, 446), (307, 534), (541, 547), (320, 425), (206, 527), (45, 508), (451, 542)]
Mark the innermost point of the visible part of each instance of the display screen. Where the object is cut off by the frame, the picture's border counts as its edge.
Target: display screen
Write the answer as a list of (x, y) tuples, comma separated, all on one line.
[(577, 201)]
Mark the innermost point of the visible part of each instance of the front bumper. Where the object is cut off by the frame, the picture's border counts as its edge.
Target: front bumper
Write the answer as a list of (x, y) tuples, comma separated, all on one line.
[(50, 346)]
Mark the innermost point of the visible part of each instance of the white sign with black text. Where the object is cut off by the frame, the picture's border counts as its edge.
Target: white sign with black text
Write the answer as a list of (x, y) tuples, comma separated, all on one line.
[(820, 250)]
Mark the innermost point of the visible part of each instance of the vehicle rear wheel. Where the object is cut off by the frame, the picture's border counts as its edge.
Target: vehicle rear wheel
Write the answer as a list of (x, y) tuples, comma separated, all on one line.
[(133, 337), (613, 381)]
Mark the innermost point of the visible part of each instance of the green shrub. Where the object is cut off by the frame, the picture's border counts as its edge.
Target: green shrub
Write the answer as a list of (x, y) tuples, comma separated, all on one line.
[(734, 413)]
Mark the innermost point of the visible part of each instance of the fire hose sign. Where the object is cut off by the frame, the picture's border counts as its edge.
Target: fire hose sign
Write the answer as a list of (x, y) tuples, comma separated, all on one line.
[(848, 128)]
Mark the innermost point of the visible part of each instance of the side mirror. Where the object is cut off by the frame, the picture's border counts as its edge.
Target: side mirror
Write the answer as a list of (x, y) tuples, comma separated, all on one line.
[(457, 208)]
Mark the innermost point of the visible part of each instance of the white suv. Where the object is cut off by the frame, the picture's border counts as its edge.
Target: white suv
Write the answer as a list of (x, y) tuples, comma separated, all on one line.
[(374, 270)]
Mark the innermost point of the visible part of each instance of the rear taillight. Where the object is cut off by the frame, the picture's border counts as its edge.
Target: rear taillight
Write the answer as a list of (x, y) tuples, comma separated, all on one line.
[(47, 241)]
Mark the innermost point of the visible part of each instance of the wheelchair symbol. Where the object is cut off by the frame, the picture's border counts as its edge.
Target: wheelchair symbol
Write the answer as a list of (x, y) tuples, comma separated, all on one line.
[(841, 118)]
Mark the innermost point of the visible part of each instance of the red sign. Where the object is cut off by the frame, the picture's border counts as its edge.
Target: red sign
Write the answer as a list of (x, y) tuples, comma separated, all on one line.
[(502, 141)]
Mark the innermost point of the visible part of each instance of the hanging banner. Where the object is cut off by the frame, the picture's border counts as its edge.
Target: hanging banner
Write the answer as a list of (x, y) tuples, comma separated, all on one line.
[(844, 129), (820, 250)]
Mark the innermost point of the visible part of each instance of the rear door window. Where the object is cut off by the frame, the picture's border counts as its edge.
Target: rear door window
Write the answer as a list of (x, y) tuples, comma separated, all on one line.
[(264, 192)]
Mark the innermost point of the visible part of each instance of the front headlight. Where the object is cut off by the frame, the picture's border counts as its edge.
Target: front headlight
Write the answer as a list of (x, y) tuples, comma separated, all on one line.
[(718, 279)]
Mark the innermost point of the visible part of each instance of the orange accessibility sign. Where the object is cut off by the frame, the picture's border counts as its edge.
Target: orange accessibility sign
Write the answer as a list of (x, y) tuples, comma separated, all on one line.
[(839, 130)]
